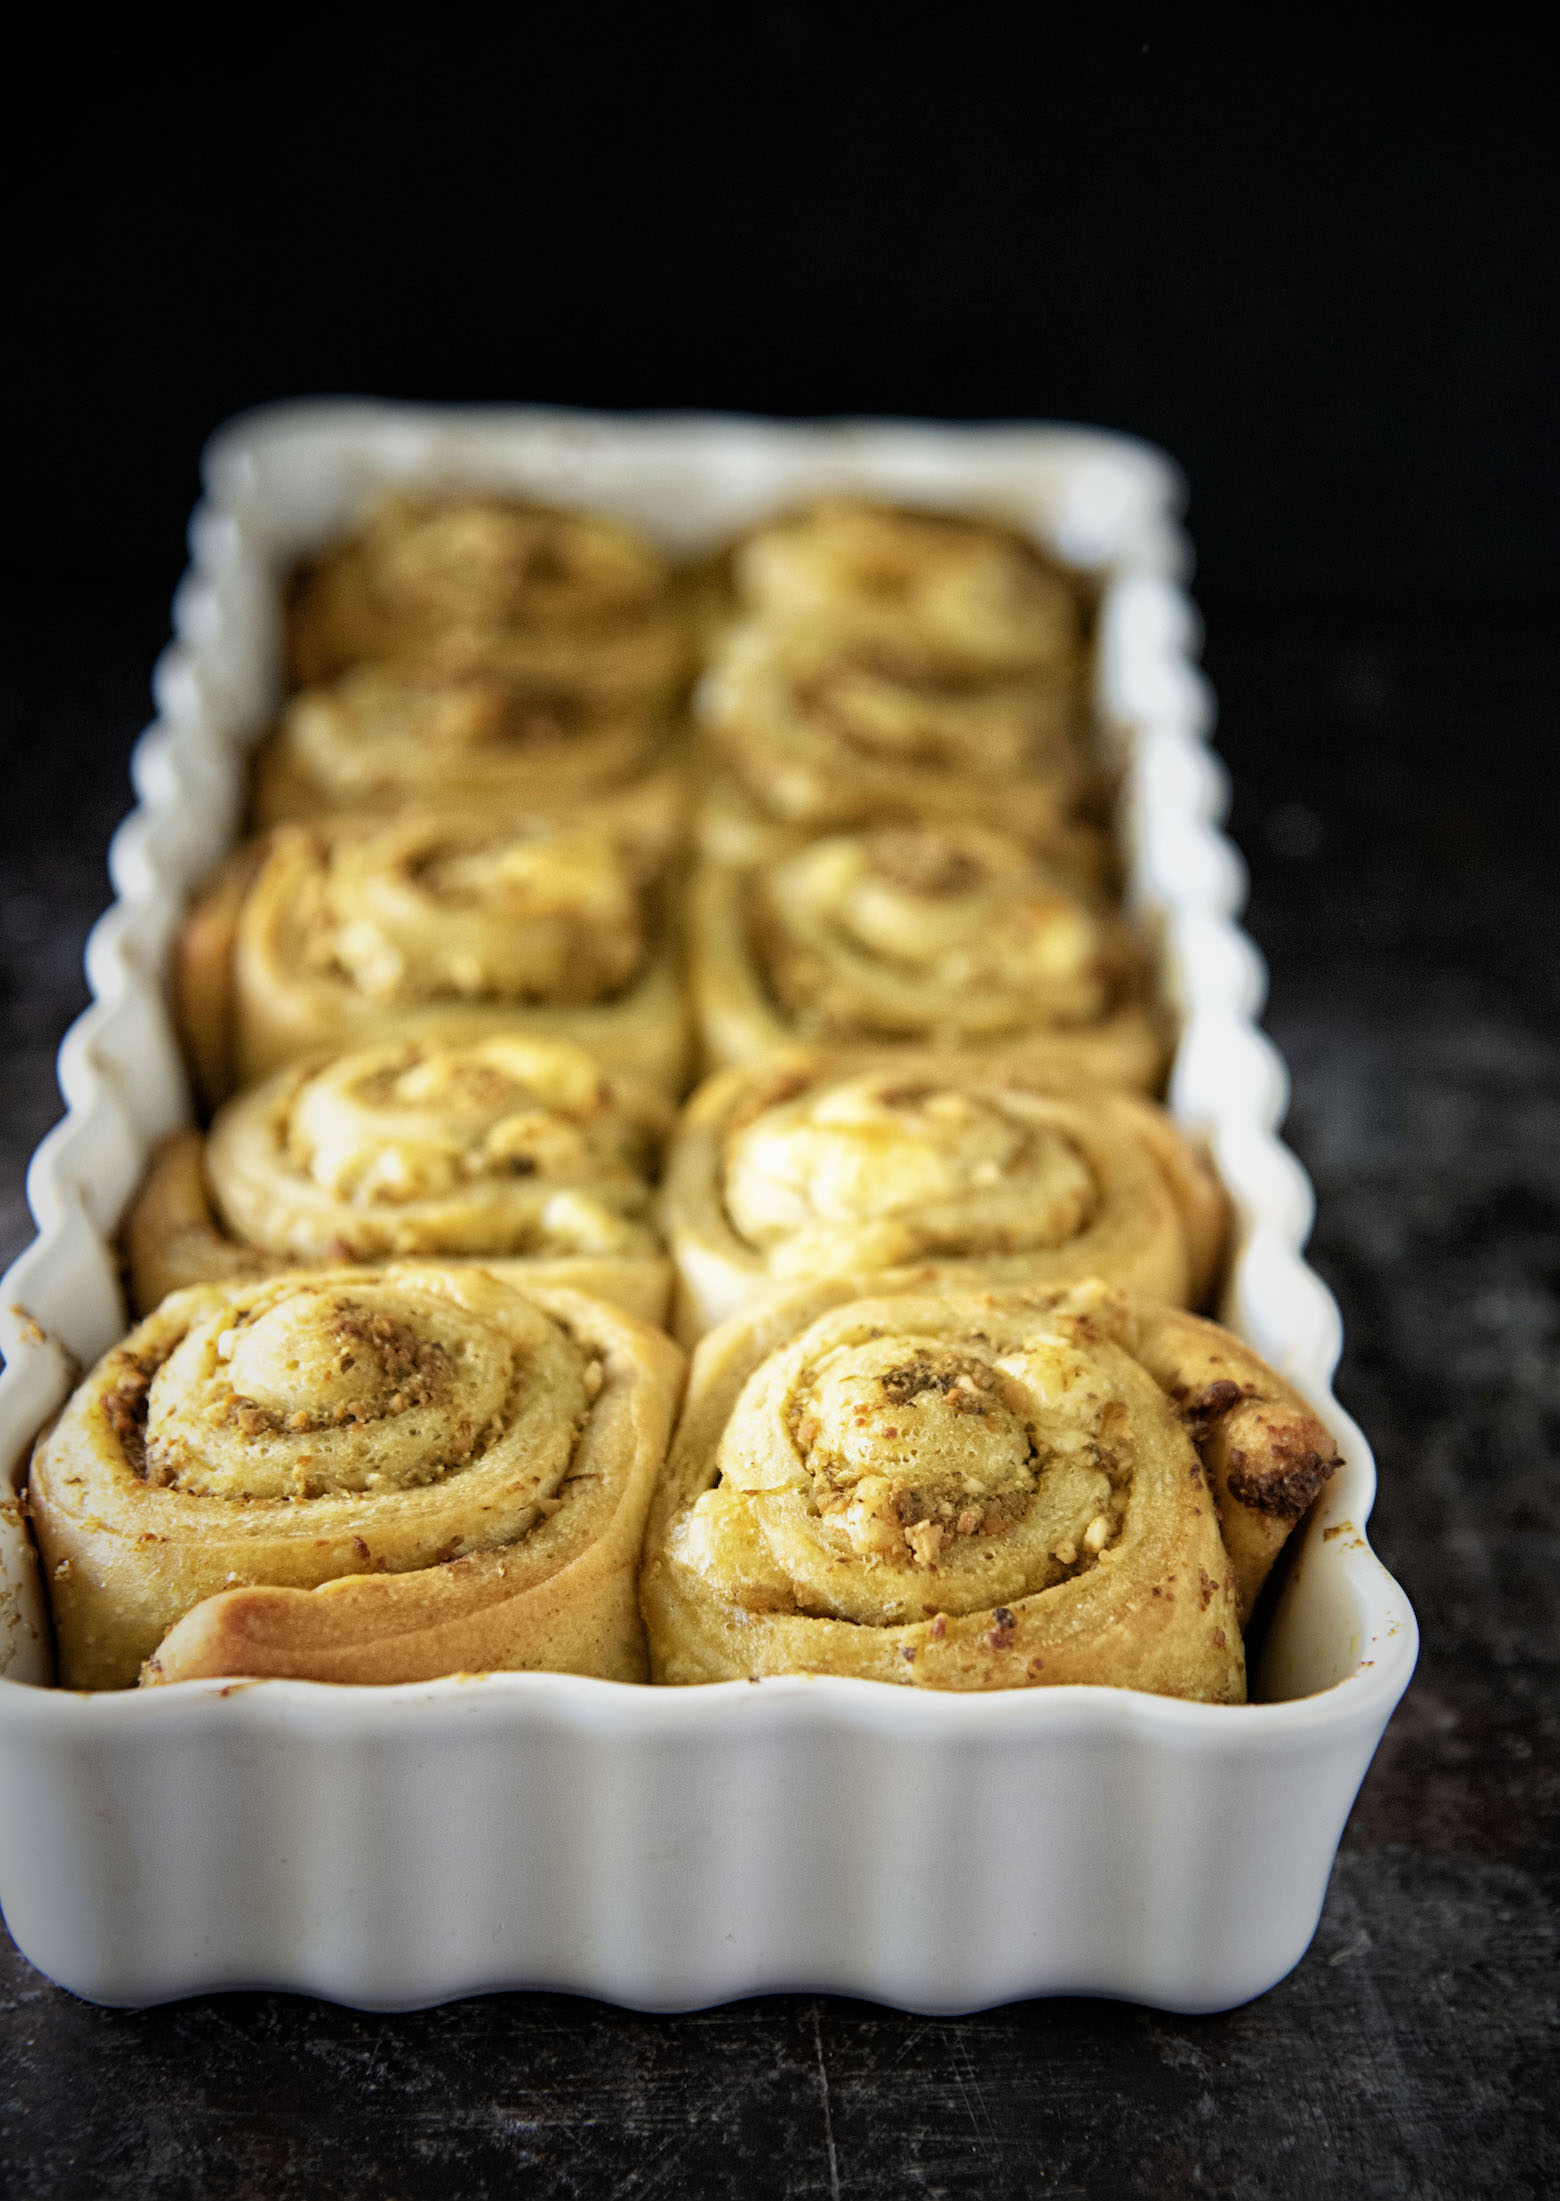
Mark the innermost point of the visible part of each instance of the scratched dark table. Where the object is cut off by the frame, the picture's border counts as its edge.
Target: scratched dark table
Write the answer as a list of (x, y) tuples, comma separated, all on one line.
[(1394, 775)]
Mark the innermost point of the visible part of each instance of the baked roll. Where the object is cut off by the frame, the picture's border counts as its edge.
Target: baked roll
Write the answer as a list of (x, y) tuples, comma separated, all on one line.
[(824, 730), (417, 567), (966, 594), (514, 1146), (941, 938), (430, 927), (473, 724), (972, 1490), (811, 1164), (367, 1476)]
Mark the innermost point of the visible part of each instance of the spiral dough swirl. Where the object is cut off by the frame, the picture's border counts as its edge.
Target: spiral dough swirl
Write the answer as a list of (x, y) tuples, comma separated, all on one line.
[(307, 1432)]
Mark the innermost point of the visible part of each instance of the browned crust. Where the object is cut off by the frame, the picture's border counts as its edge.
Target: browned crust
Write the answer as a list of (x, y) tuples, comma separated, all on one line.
[(1266, 1455), (1285, 1485)]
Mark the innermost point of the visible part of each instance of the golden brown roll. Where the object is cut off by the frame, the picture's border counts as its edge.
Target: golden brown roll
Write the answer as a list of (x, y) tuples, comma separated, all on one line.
[(941, 938), (426, 927), (970, 1490), (826, 730), (417, 567), (965, 593), (352, 1475), (513, 1146), (467, 727), (815, 1164)]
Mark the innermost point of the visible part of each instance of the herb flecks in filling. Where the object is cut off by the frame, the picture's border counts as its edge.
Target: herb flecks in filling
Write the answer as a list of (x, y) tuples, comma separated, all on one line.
[(907, 1448)]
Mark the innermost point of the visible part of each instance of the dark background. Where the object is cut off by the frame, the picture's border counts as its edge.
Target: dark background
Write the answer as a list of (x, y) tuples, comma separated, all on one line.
[(1315, 259)]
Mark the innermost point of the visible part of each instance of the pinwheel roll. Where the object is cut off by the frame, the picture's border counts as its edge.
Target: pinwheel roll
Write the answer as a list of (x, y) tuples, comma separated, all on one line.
[(959, 1490), (811, 1164), (418, 567), (826, 730), (473, 724), (511, 1149), (351, 1475), (966, 594), (940, 938), (429, 927)]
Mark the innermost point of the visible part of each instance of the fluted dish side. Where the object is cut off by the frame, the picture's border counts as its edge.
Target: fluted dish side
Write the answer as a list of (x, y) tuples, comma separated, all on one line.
[(642, 1893)]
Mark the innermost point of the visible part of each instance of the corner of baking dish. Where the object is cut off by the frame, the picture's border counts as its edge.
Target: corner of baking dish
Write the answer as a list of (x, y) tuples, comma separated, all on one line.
[(1342, 1640)]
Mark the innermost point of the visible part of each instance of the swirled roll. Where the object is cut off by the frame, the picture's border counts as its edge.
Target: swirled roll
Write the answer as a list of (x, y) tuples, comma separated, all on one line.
[(966, 594), (431, 927), (811, 1164), (416, 567), (941, 938), (368, 1476), (514, 1147), (473, 724), (968, 1490), (825, 729)]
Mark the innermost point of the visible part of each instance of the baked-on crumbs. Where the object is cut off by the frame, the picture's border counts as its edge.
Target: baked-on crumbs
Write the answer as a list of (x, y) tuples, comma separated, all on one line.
[(1286, 1485), (1217, 1399)]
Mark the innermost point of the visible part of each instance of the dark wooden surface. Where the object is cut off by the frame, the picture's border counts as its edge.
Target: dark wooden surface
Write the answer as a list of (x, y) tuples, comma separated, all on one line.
[(1395, 795)]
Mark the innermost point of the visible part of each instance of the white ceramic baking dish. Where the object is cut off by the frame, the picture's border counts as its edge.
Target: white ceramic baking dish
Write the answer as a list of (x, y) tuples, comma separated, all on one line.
[(396, 1847)]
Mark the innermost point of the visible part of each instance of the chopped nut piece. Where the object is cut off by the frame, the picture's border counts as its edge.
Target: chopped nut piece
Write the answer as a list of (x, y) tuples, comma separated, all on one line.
[(925, 1541)]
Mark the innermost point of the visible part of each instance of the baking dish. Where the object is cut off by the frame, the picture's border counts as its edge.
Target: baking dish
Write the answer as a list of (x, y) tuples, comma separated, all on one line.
[(665, 1849)]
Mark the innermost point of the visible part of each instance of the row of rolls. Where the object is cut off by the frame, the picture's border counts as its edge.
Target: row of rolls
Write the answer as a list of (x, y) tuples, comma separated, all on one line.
[(548, 831)]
